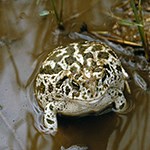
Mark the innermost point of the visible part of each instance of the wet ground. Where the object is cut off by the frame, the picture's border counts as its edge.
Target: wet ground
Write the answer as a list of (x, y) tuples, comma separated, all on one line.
[(25, 39)]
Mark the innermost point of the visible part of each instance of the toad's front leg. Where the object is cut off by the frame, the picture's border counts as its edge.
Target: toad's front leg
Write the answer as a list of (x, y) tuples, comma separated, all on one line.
[(120, 102), (50, 116)]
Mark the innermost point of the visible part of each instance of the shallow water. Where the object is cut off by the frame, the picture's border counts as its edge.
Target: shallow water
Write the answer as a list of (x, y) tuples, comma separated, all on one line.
[(25, 39)]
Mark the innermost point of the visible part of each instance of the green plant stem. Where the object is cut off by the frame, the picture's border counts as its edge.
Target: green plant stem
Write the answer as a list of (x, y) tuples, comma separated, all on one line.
[(58, 17), (61, 10), (138, 18), (55, 11)]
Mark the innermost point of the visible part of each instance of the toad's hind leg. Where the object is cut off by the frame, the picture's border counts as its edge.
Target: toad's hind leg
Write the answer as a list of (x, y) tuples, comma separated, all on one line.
[(50, 116)]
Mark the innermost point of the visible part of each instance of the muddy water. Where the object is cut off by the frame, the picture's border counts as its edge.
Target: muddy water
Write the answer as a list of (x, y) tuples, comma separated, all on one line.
[(25, 39)]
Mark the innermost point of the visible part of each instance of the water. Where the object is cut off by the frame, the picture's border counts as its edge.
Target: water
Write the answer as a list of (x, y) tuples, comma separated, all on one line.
[(25, 39)]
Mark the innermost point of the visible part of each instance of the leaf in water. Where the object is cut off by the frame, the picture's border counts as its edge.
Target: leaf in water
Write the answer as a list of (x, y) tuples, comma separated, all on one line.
[(44, 13), (140, 81)]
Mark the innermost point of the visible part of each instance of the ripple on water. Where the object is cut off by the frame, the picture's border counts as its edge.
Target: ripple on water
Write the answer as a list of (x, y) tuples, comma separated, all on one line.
[(38, 112)]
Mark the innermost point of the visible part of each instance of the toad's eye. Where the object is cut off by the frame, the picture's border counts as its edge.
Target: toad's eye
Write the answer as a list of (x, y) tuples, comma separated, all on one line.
[(75, 85)]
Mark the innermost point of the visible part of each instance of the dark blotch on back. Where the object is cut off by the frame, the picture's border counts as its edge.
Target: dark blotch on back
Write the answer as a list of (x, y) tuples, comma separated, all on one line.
[(50, 121), (97, 48), (50, 87), (103, 55), (112, 53), (41, 88), (59, 83), (73, 69), (105, 75), (70, 50), (46, 70), (119, 94), (81, 47), (106, 66), (70, 60), (67, 90), (57, 69), (51, 107), (88, 55), (118, 68)]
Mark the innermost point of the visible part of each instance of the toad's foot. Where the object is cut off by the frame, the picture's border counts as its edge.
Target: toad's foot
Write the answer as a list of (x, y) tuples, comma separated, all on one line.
[(50, 116)]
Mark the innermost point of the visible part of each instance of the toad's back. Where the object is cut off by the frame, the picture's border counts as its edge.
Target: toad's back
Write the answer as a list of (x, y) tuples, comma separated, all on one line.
[(79, 71)]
